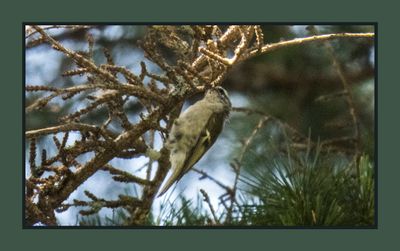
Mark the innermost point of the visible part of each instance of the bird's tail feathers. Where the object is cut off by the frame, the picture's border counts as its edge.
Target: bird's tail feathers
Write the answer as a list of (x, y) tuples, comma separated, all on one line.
[(171, 180)]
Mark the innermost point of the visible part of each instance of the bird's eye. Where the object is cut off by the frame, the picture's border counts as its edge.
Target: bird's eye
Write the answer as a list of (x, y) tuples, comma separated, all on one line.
[(221, 91)]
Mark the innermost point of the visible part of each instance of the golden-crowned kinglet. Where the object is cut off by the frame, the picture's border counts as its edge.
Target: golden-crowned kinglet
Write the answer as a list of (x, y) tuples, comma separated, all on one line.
[(195, 131)]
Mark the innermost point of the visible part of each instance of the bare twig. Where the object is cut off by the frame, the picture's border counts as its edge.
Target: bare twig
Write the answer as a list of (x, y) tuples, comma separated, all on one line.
[(68, 127), (123, 176), (204, 174), (207, 200), (300, 41), (248, 141)]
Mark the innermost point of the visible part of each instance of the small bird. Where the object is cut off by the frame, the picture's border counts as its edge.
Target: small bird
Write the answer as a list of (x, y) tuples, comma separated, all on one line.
[(195, 131)]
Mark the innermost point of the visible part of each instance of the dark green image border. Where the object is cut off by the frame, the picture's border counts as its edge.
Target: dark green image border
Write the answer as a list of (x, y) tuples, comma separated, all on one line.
[(14, 14)]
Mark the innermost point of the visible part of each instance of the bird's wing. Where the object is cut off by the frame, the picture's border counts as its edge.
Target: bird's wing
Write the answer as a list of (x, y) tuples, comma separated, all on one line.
[(207, 137)]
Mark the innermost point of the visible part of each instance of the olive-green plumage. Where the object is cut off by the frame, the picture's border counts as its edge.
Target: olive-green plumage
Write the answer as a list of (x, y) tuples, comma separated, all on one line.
[(195, 131)]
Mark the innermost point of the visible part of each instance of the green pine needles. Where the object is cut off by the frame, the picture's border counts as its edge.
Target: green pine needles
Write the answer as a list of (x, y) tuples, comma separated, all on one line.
[(311, 189)]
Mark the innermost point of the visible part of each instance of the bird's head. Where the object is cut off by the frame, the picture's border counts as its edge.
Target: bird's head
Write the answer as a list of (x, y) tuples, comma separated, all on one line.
[(219, 95)]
